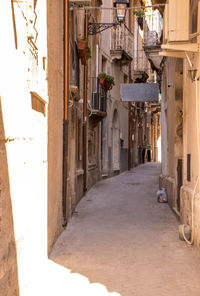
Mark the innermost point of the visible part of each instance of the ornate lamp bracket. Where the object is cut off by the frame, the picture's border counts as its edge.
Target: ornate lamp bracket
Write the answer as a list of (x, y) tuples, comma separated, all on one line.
[(95, 28)]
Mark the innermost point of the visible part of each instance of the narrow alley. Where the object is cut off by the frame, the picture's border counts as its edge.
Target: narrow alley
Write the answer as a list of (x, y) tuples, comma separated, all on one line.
[(99, 109), (124, 241)]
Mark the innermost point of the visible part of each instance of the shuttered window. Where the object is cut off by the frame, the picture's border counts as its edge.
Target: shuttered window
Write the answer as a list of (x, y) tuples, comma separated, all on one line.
[(179, 20)]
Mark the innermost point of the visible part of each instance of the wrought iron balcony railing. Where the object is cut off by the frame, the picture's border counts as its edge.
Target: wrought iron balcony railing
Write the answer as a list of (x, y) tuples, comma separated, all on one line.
[(153, 29), (140, 63), (122, 40), (99, 99)]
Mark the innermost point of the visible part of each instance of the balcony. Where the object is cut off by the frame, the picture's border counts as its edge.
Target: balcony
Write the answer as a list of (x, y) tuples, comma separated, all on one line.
[(153, 37), (140, 64), (122, 46), (153, 31), (81, 2), (99, 100)]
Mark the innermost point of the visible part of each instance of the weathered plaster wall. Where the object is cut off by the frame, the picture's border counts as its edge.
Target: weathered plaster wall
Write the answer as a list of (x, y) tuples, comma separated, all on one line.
[(183, 98), (188, 200), (24, 121), (55, 120), (172, 137), (8, 257), (171, 115), (190, 190)]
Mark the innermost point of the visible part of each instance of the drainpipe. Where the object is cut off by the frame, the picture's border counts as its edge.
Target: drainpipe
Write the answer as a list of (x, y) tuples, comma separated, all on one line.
[(65, 113), (85, 112)]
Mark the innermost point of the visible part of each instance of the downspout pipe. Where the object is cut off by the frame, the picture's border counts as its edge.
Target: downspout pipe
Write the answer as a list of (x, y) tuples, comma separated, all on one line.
[(65, 110)]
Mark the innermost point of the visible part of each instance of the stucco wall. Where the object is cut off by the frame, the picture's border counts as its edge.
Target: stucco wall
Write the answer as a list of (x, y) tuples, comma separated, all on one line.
[(55, 118), (8, 256), (188, 200), (190, 189), (24, 139)]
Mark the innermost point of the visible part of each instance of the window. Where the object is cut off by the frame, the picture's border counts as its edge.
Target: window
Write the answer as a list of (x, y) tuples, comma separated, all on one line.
[(178, 20)]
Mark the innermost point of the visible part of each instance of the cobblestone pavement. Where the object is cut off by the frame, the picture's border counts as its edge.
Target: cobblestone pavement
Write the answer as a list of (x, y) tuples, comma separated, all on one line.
[(120, 241)]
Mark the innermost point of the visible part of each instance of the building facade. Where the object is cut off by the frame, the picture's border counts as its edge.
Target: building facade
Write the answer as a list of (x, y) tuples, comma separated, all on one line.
[(61, 130), (180, 112)]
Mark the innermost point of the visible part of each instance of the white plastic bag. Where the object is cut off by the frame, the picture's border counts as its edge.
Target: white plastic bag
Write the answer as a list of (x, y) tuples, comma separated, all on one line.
[(162, 196)]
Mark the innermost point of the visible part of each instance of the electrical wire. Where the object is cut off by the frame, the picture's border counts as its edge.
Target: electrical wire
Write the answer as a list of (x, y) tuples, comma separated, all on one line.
[(74, 6)]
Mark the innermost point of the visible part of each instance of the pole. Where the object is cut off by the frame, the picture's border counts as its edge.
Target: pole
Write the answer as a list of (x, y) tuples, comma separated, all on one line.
[(85, 112), (65, 115)]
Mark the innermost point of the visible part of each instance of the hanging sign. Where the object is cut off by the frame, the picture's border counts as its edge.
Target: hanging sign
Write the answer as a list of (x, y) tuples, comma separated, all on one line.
[(140, 92)]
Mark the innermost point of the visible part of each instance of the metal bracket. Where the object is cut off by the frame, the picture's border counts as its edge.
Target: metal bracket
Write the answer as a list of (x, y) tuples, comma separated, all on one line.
[(95, 28)]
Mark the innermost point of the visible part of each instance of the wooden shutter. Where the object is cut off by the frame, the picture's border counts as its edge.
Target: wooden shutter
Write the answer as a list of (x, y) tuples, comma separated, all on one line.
[(179, 12)]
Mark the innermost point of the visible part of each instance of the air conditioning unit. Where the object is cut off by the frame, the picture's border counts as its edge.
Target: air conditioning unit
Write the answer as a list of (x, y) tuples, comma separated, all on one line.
[(81, 2), (95, 101), (103, 103)]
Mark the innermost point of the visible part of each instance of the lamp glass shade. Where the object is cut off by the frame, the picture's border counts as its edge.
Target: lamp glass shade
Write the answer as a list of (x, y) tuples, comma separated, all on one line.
[(193, 73), (121, 12)]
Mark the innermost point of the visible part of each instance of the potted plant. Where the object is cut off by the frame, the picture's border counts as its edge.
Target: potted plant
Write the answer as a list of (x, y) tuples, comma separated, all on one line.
[(106, 80), (84, 50), (109, 82), (140, 15), (82, 44), (102, 77)]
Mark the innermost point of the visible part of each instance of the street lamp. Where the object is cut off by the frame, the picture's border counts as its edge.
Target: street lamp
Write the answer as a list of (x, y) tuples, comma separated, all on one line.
[(120, 5), (192, 73)]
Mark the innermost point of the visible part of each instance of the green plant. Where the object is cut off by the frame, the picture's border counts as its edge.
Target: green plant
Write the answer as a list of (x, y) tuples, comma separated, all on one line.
[(83, 38), (107, 78), (102, 75), (89, 52), (139, 13), (110, 79)]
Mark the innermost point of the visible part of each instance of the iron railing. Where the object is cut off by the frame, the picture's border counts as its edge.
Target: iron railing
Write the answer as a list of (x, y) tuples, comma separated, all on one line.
[(122, 40), (153, 29), (140, 63), (99, 99)]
